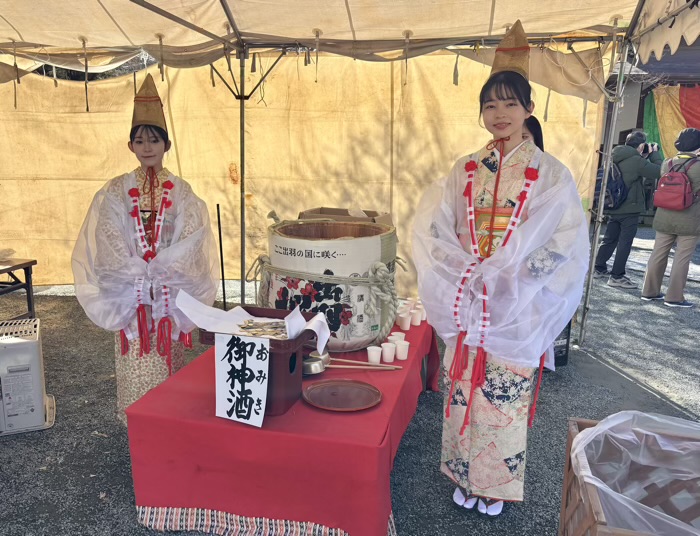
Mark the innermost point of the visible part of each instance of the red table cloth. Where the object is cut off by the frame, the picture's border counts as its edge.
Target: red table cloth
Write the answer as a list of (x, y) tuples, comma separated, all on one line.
[(307, 466)]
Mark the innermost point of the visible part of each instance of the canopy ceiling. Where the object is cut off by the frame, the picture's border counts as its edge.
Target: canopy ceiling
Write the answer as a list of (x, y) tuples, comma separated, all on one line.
[(112, 31), (653, 37)]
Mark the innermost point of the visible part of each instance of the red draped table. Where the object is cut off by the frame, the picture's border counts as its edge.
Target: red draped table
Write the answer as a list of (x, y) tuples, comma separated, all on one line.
[(307, 472)]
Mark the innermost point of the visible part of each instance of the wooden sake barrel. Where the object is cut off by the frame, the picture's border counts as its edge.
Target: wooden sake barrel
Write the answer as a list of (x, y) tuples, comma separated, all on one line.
[(298, 250)]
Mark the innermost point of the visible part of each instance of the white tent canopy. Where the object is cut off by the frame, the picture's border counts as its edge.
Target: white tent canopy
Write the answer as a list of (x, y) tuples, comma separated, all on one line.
[(183, 33)]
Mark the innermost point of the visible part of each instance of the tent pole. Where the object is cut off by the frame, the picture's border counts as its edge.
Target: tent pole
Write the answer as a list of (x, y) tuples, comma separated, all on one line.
[(242, 100), (634, 20), (607, 164), (661, 21), (597, 82), (181, 21), (231, 20)]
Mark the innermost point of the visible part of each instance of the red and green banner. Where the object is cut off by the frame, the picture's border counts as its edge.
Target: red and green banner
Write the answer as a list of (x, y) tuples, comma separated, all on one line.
[(651, 123), (670, 110)]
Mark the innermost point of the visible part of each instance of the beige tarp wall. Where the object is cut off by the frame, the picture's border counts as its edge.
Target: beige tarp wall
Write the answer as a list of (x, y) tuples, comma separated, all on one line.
[(358, 137)]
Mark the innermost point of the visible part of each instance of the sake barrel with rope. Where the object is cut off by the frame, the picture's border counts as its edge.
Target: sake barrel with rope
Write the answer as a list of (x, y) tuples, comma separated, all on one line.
[(344, 270)]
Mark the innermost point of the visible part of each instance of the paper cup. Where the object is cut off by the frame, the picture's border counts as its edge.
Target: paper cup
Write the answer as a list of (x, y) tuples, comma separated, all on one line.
[(402, 350), (374, 354), (404, 308), (393, 338), (398, 335), (416, 315), (388, 352), (405, 321)]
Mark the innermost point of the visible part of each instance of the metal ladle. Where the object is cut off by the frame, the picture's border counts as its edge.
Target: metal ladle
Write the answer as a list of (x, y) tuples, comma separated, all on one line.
[(316, 365), (312, 365)]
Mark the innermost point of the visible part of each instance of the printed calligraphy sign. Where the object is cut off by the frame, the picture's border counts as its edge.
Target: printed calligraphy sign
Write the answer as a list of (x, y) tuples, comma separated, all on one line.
[(342, 257), (352, 322), (241, 378)]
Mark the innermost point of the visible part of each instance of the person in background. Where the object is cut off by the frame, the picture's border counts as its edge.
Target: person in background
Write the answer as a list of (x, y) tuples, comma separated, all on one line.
[(681, 227), (637, 160), (501, 251), (532, 130), (145, 238)]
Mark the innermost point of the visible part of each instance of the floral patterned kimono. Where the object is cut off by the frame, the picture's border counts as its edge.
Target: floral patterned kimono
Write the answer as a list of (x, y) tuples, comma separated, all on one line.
[(488, 458), (499, 286), (143, 240)]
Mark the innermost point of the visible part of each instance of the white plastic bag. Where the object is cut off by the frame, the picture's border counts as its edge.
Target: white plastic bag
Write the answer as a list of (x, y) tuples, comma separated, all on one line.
[(647, 471)]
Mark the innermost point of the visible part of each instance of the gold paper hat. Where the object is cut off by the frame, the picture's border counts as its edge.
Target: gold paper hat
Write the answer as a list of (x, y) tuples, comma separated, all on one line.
[(513, 52), (148, 108)]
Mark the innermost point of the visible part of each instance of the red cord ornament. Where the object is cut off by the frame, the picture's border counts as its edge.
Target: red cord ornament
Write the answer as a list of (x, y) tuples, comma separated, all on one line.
[(460, 362), (470, 166), (532, 174)]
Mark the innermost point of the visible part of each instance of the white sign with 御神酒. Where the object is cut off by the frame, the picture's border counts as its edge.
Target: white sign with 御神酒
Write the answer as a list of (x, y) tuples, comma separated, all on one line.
[(241, 376)]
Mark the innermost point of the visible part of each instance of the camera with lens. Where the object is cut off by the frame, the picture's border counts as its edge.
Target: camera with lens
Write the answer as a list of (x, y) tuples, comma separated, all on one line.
[(649, 148)]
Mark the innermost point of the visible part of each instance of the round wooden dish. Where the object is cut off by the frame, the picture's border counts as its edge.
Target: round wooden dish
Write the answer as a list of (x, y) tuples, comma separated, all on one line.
[(342, 395)]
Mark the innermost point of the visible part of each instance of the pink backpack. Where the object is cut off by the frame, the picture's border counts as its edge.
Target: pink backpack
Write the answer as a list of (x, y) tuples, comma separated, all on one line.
[(675, 191)]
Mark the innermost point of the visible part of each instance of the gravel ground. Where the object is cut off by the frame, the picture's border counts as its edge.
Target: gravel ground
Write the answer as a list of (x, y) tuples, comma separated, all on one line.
[(75, 479)]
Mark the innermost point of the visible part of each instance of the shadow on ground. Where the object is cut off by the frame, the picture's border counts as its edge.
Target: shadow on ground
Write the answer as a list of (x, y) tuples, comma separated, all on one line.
[(75, 479)]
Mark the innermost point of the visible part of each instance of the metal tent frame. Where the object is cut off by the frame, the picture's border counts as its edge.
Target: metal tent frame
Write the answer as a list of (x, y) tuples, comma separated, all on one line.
[(242, 50), (631, 36)]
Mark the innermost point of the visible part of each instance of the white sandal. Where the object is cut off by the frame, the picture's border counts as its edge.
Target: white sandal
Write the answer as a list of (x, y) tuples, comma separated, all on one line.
[(466, 502), (490, 507)]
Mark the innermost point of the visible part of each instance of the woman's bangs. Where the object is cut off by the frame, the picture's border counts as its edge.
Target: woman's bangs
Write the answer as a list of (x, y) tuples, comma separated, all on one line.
[(149, 131), (502, 91)]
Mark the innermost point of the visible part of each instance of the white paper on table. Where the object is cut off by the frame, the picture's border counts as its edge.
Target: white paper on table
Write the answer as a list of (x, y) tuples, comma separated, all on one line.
[(241, 375), (219, 321)]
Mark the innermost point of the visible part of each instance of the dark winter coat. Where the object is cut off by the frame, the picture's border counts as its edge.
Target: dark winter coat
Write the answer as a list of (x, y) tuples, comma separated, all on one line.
[(681, 222), (635, 168)]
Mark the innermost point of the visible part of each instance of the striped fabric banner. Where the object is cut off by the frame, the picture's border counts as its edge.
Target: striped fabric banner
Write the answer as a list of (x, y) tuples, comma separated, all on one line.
[(651, 123), (225, 524), (677, 107)]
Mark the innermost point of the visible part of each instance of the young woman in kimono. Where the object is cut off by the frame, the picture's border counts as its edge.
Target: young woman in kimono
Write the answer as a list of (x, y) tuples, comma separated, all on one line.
[(146, 237), (501, 250)]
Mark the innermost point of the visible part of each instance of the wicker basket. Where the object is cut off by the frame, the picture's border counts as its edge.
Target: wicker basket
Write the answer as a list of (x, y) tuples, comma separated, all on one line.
[(581, 510)]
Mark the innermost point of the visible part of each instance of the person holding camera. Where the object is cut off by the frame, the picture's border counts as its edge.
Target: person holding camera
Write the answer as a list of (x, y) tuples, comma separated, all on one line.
[(637, 160)]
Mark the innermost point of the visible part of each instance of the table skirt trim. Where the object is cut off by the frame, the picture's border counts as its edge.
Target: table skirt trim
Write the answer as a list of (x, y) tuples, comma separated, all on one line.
[(164, 518)]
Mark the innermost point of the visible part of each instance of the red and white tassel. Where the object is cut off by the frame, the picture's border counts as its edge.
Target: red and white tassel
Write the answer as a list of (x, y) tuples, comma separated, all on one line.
[(164, 342), (124, 342), (533, 406), (144, 332)]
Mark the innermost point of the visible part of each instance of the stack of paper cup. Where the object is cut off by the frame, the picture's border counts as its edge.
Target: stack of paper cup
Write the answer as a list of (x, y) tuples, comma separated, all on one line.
[(404, 321), (416, 316), (402, 350), (374, 354), (388, 352), (419, 305)]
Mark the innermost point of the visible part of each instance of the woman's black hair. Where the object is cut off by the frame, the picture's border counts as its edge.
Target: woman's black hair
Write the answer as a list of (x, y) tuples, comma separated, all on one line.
[(533, 125), (149, 130), (635, 138), (507, 85)]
